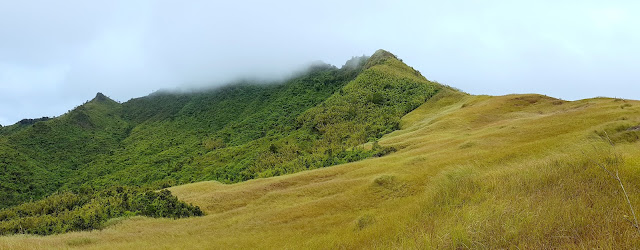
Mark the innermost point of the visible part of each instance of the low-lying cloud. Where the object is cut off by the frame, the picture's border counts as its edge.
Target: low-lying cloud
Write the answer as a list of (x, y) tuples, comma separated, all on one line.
[(55, 55)]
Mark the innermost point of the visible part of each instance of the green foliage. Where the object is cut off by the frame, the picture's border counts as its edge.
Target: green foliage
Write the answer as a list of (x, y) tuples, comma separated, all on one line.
[(66, 211), (371, 105), (21, 178), (230, 134), (43, 156)]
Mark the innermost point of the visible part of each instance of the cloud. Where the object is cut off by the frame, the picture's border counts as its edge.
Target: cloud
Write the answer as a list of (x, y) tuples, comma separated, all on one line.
[(55, 55)]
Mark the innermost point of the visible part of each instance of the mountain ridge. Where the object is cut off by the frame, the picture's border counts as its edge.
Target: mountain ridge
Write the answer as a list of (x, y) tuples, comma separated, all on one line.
[(231, 133)]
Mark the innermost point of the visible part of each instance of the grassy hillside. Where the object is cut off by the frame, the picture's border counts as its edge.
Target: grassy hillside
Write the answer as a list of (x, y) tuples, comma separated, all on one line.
[(516, 171)]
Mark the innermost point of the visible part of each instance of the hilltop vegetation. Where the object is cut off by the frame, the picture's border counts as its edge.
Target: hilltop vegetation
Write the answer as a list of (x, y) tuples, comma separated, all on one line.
[(230, 134)]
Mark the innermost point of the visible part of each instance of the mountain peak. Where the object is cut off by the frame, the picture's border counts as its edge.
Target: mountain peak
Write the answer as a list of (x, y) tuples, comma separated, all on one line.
[(380, 56), (383, 54), (101, 98)]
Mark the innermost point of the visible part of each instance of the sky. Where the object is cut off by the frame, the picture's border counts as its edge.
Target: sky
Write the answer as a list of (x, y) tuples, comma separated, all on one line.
[(55, 55)]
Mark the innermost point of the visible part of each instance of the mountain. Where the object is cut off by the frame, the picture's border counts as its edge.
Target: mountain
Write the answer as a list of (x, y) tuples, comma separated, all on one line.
[(414, 164), (230, 134), (234, 133)]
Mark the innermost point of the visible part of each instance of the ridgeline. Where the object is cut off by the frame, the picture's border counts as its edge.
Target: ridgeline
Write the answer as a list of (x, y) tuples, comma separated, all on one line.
[(234, 133)]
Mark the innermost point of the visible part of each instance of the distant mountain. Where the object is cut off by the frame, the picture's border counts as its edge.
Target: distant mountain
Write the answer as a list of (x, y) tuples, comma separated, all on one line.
[(229, 134)]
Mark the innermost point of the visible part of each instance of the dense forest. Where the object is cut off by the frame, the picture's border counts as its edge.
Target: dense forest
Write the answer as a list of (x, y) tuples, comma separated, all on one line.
[(323, 117)]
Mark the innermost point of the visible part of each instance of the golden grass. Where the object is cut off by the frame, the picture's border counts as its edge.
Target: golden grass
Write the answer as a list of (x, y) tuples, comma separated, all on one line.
[(470, 172)]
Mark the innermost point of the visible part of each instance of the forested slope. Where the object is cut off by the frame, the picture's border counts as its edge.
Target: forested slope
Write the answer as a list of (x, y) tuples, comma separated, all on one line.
[(229, 134)]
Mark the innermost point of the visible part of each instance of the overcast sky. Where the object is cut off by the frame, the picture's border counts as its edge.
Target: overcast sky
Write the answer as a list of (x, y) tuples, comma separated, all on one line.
[(54, 55)]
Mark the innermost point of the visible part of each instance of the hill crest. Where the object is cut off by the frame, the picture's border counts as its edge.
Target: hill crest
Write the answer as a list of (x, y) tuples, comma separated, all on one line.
[(101, 98)]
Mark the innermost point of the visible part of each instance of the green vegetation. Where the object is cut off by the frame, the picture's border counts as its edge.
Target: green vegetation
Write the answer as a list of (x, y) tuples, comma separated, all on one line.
[(238, 132), (66, 211), (39, 158)]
